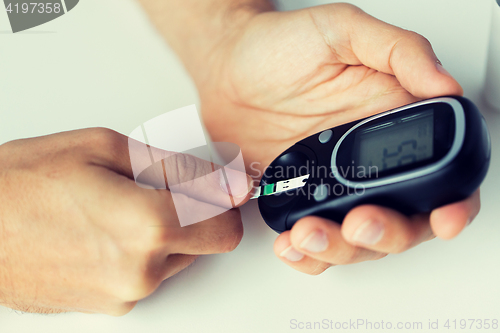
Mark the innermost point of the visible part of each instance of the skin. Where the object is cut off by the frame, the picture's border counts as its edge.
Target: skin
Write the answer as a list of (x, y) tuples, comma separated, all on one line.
[(268, 79), (78, 234)]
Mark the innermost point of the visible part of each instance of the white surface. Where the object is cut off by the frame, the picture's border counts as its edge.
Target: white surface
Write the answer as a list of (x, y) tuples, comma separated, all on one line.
[(174, 131), (177, 130), (493, 68), (102, 64)]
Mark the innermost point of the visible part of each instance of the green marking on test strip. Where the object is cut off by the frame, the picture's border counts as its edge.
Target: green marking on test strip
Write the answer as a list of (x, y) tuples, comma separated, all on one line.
[(268, 189)]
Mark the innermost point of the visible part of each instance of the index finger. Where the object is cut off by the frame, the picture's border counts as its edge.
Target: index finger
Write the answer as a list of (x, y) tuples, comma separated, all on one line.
[(198, 179), (155, 168)]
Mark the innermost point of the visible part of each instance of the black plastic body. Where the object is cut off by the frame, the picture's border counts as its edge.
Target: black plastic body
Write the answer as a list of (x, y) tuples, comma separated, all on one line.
[(453, 182)]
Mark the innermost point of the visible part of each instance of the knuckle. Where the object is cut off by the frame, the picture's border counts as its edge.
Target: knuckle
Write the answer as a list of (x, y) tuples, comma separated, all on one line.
[(160, 236), (320, 268), (347, 8), (102, 134), (106, 139), (135, 286), (417, 38), (332, 12), (138, 272), (230, 238), (121, 309), (106, 146)]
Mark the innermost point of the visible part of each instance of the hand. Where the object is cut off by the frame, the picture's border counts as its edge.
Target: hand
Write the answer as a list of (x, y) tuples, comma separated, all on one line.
[(78, 234), (283, 76)]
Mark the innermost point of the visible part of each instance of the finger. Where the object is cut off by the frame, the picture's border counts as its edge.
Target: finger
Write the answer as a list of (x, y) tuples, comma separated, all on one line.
[(391, 50), (285, 252), (176, 263), (190, 175), (219, 234), (120, 309), (175, 223), (182, 173), (385, 230), (448, 221), (198, 179), (322, 240)]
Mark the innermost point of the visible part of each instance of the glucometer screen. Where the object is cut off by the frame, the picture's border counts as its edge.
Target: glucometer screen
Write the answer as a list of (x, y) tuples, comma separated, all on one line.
[(395, 143)]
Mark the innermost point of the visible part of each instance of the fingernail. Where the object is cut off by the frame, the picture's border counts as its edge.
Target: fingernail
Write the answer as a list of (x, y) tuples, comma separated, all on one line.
[(291, 254), (469, 221), (315, 242), (442, 70), (240, 184), (369, 233)]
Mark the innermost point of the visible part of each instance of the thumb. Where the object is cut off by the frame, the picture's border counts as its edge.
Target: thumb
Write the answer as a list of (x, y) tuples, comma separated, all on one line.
[(392, 50)]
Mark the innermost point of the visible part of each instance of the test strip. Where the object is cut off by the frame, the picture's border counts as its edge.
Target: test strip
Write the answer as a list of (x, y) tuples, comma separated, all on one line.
[(281, 186)]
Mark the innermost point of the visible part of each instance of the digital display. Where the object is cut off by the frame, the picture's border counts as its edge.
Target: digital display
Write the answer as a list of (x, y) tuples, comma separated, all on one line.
[(398, 142)]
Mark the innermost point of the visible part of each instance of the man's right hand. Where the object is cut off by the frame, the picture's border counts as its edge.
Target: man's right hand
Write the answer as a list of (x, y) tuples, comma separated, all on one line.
[(78, 234)]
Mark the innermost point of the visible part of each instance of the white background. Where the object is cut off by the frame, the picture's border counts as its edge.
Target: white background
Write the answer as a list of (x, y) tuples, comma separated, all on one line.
[(103, 64)]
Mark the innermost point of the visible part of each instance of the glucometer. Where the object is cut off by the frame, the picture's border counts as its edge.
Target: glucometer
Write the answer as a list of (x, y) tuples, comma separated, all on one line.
[(412, 159)]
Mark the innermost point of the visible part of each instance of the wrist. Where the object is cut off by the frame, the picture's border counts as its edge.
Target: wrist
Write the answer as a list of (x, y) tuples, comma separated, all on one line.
[(202, 32)]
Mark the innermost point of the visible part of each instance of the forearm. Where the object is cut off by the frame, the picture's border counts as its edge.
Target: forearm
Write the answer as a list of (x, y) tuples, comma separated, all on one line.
[(196, 29), (4, 282), (3, 270)]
